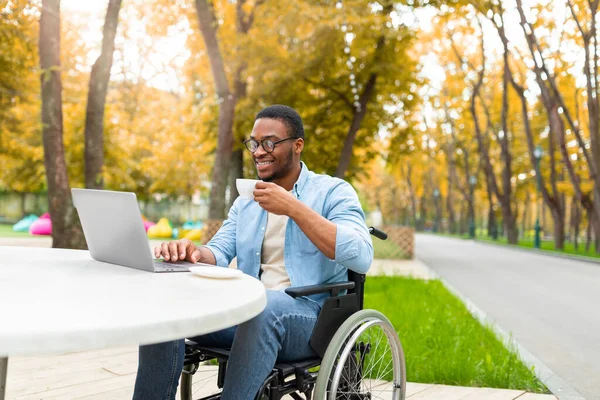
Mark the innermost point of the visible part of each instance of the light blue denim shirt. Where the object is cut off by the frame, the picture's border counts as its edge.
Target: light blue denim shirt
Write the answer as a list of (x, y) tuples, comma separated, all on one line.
[(243, 232)]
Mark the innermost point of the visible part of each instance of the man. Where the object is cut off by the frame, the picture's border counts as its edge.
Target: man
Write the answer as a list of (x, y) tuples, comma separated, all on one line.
[(301, 229)]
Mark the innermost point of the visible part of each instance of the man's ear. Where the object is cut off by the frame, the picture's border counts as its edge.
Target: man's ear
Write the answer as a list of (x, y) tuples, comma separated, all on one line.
[(299, 146)]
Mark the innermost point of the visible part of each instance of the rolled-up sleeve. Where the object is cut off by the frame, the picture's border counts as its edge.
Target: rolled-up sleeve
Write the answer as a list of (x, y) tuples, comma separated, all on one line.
[(223, 244), (353, 245)]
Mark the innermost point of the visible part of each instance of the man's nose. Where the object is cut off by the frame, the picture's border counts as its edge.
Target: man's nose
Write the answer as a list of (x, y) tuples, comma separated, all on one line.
[(260, 151)]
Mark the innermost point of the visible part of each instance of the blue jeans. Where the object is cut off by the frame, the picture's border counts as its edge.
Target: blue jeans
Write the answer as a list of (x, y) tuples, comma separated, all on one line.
[(281, 332)]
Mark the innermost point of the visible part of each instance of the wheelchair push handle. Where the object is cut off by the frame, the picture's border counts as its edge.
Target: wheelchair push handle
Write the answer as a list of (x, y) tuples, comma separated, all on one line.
[(378, 233)]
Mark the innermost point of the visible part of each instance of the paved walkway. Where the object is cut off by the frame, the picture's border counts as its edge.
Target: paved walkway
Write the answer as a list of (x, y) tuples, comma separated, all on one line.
[(110, 373)]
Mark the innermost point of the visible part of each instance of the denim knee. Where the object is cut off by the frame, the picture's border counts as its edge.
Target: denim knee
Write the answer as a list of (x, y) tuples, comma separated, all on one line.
[(159, 369)]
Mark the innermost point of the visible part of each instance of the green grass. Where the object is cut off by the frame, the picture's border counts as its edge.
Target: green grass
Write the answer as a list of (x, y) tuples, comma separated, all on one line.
[(442, 342), (387, 249), (6, 231), (548, 245)]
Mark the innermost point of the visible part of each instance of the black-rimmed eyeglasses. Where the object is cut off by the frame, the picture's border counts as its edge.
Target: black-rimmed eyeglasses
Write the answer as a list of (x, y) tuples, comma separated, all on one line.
[(267, 144)]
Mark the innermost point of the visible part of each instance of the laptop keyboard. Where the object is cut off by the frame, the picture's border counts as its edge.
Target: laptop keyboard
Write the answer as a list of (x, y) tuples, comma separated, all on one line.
[(169, 266)]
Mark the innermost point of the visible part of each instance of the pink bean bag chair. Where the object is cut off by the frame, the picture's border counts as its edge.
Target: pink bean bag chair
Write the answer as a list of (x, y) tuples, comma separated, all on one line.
[(43, 226), (148, 224)]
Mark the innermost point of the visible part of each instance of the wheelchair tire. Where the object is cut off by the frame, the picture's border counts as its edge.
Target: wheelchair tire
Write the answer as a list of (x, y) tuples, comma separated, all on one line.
[(349, 372)]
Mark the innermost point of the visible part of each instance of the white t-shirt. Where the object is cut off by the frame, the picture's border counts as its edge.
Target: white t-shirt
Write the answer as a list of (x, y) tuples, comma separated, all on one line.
[(274, 276)]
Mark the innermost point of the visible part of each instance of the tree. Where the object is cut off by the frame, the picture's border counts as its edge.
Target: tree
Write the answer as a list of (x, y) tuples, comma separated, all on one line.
[(503, 194), (318, 59), (359, 108), (558, 112), (553, 200), (226, 101), (66, 229), (21, 153), (94, 121)]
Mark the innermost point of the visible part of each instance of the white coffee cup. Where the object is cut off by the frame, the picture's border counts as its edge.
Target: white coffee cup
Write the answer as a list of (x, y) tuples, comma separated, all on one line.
[(245, 187)]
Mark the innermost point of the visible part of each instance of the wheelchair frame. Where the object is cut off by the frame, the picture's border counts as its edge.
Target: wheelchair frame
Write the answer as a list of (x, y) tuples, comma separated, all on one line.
[(344, 306)]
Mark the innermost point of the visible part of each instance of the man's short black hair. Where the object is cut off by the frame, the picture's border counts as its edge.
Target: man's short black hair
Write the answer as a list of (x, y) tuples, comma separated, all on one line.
[(287, 115)]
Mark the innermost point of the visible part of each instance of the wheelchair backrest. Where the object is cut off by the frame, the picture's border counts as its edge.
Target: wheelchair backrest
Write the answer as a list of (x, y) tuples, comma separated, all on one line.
[(359, 286), (359, 279)]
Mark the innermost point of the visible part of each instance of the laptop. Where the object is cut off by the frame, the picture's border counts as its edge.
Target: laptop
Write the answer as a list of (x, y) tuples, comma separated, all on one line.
[(114, 230)]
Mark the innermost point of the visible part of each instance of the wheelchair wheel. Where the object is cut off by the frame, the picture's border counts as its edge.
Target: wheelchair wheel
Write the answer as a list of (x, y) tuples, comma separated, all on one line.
[(364, 360)]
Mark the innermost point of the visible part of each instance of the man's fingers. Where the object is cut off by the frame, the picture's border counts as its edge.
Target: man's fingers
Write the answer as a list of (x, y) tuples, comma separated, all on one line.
[(260, 192), (262, 185), (194, 255), (173, 251), (182, 249), (157, 251), (190, 249), (164, 248)]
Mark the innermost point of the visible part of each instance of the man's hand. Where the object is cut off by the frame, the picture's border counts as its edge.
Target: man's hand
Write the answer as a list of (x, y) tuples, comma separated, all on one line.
[(182, 249), (274, 198)]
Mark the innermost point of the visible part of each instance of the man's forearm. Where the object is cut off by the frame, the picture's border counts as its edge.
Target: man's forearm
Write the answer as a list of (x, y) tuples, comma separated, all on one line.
[(317, 228)]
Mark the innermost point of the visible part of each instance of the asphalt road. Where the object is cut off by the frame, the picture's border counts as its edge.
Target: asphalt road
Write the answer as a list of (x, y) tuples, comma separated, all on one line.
[(550, 305)]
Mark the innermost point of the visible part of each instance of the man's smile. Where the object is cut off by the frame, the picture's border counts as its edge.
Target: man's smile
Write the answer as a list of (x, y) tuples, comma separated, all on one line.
[(264, 162)]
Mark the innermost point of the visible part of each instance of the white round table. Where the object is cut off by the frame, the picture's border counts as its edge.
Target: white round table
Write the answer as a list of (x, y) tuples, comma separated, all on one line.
[(55, 300)]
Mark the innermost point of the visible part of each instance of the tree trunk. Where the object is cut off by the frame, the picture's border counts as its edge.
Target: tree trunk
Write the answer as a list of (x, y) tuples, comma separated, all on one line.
[(438, 213), (66, 229), (423, 214), (559, 229), (236, 172), (358, 116), (237, 156), (492, 223), (468, 194), (512, 233), (37, 207), (396, 210), (23, 197), (226, 99), (588, 236), (451, 213), (413, 210), (464, 219), (98, 87), (240, 86), (553, 201), (525, 213), (360, 110), (450, 197), (575, 221), (411, 192)]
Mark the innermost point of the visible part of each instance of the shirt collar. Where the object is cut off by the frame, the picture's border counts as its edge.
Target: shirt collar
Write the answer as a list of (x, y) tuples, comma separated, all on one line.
[(299, 185)]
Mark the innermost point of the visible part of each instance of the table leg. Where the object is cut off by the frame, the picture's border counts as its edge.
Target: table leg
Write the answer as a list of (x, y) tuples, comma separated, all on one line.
[(3, 373)]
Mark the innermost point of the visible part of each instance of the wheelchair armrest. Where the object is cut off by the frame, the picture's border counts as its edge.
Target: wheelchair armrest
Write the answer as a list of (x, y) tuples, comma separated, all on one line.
[(333, 288)]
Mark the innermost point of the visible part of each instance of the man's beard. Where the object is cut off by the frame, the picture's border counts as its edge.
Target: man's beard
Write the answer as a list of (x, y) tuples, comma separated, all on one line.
[(283, 171)]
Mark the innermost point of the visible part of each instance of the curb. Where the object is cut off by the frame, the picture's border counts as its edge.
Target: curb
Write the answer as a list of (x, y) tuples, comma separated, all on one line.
[(555, 384)]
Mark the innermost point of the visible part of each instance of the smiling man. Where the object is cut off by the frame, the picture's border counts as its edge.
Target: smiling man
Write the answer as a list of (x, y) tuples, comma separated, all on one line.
[(301, 229)]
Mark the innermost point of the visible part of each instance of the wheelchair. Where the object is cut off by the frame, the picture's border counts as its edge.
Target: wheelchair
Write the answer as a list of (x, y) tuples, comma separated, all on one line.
[(359, 354)]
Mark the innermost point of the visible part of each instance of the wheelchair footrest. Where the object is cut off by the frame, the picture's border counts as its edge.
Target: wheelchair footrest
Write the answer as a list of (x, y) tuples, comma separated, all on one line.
[(208, 352)]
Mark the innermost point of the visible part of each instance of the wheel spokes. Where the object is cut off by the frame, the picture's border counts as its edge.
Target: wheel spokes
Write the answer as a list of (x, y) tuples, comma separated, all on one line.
[(367, 370)]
